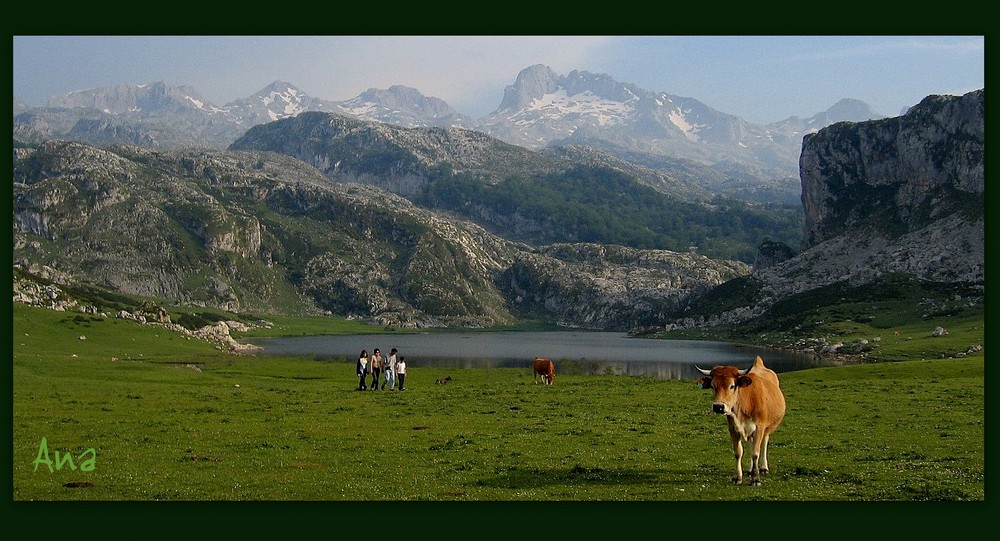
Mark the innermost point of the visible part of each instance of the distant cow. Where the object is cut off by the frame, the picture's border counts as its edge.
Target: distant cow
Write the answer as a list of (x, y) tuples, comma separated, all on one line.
[(444, 380), (754, 406), (544, 368)]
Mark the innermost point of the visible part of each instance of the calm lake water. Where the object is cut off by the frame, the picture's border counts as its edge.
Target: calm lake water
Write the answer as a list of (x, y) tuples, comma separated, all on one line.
[(573, 352)]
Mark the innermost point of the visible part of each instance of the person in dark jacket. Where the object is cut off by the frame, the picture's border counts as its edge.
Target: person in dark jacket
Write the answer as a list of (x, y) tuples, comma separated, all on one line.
[(362, 369)]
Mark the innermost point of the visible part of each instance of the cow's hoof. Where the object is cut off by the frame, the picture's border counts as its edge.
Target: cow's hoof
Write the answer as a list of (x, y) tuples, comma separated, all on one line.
[(755, 482), (737, 480), (764, 471)]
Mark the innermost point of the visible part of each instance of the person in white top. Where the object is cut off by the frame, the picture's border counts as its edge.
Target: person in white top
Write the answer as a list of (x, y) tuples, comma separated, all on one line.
[(401, 373), (362, 369)]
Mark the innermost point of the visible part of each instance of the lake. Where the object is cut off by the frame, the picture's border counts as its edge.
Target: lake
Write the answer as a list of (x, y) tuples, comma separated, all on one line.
[(579, 352)]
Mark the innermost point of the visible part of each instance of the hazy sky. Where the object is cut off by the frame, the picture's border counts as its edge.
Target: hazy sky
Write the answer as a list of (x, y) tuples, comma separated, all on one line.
[(762, 79)]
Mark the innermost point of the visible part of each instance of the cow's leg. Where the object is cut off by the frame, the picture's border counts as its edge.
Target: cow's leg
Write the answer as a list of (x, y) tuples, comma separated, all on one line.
[(737, 438), (738, 455), (763, 452), (759, 456)]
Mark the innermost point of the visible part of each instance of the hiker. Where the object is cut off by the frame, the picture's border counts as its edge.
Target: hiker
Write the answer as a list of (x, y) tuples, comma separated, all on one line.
[(376, 367), (390, 370), (401, 373), (362, 369)]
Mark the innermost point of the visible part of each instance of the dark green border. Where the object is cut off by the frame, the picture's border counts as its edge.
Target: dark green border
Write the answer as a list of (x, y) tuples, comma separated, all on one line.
[(529, 519)]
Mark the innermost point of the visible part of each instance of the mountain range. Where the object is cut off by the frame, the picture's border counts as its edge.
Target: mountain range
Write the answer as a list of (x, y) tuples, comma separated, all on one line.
[(562, 194), (541, 109), (262, 228)]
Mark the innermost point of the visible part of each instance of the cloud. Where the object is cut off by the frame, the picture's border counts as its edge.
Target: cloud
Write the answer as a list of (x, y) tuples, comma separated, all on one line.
[(861, 47)]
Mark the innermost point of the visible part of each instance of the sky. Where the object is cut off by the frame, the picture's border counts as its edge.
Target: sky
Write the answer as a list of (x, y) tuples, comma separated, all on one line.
[(762, 79)]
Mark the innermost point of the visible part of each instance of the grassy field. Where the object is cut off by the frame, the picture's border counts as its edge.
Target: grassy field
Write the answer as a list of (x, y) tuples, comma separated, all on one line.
[(175, 419)]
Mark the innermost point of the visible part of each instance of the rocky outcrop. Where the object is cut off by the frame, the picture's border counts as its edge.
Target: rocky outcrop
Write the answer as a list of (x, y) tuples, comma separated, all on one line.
[(390, 157), (44, 287), (902, 194), (894, 196), (896, 175), (263, 232), (771, 253), (601, 286)]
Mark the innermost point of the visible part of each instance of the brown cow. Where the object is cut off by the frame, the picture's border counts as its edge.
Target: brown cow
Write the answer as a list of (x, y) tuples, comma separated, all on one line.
[(754, 406), (544, 368)]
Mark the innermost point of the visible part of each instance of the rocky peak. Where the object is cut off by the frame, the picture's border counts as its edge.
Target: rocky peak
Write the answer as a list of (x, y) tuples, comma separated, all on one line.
[(848, 109), (273, 102), (157, 97), (532, 83), (601, 85), (280, 87), (402, 106)]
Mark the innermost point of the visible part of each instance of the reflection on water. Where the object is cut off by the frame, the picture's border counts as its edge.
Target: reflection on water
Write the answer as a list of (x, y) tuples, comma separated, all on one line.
[(573, 352)]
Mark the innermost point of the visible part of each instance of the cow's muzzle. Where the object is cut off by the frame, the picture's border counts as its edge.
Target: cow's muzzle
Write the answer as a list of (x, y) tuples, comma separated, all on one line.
[(718, 407)]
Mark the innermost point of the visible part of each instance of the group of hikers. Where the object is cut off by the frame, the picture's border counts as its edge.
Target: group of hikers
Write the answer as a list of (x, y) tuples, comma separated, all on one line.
[(389, 368)]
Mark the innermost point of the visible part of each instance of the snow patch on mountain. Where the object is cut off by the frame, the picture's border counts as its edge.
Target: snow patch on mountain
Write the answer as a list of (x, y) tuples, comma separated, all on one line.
[(200, 104), (690, 130), (283, 104), (362, 110), (560, 104)]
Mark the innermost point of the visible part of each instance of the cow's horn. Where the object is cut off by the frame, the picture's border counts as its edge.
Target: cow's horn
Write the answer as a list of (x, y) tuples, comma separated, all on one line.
[(746, 371), (703, 371)]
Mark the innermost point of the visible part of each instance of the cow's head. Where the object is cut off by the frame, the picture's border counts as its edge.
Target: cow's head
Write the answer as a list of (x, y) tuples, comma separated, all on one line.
[(726, 382)]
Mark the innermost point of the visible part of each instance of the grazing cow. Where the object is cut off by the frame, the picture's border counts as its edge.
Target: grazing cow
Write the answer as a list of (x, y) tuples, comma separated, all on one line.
[(754, 406), (544, 368), (443, 381)]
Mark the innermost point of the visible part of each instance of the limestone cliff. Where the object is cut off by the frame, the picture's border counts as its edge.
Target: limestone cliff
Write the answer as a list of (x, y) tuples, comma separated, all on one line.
[(903, 194), (895, 175), (896, 195)]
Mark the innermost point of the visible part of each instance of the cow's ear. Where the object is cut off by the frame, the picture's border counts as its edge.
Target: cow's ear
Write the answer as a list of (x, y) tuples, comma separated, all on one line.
[(706, 382), (743, 381)]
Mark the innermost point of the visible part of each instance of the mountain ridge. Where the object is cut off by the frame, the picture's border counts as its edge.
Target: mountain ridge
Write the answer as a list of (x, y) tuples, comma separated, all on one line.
[(541, 109), (248, 231), (565, 194)]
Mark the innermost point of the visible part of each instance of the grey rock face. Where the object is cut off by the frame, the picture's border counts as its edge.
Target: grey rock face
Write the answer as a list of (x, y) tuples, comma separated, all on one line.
[(390, 157), (257, 231), (772, 253), (897, 174), (403, 106), (898, 195), (598, 286)]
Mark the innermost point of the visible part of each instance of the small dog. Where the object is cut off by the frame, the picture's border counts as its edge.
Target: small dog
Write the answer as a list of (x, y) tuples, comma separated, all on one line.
[(442, 381)]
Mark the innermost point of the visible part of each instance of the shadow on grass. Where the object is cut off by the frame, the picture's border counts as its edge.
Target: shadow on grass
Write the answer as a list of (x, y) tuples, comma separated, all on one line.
[(536, 478)]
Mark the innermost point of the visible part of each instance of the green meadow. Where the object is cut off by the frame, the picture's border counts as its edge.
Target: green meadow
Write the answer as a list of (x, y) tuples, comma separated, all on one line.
[(145, 414)]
